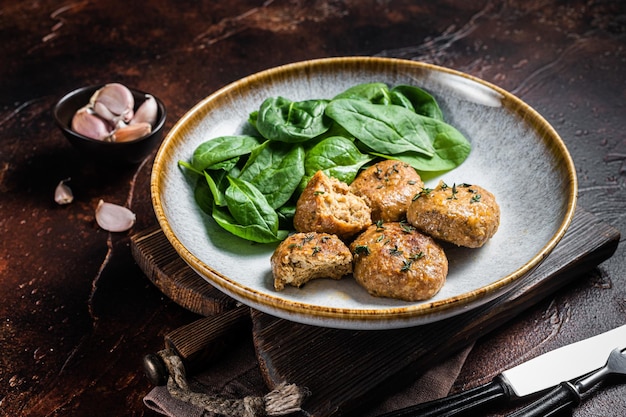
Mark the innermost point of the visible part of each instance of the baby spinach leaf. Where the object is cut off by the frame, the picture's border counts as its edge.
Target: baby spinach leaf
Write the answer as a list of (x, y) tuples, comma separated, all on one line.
[(253, 117), (221, 149), (335, 130), (387, 129), (249, 207), (376, 93), (289, 121), (337, 157), (253, 232), (218, 184), (286, 214), (226, 165), (275, 170), (203, 196), (451, 149), (421, 102), (188, 166), (400, 99)]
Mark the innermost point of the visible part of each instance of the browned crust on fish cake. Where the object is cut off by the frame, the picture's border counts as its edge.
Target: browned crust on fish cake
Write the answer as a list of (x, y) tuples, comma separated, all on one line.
[(388, 187), (395, 260), (466, 215)]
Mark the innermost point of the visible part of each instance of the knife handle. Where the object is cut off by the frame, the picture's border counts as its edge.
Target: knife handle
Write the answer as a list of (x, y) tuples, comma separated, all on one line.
[(457, 404), (563, 396)]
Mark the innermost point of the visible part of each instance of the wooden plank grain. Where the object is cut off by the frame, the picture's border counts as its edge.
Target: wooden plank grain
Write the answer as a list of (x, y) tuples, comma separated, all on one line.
[(173, 277), (344, 370)]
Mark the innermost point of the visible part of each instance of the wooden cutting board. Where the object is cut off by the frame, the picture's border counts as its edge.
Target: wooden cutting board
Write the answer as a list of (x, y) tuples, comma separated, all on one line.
[(346, 369)]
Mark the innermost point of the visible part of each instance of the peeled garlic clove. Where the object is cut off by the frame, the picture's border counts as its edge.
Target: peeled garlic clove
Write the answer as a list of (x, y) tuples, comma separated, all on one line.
[(147, 112), (63, 194), (131, 132), (88, 124), (114, 102), (114, 218)]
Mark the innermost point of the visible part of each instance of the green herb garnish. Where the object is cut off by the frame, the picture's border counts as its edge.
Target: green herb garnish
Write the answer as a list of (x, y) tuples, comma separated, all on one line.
[(362, 250)]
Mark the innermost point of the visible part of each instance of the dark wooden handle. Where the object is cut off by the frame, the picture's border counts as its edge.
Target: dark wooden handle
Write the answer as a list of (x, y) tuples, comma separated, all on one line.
[(199, 343), (565, 395), (457, 404)]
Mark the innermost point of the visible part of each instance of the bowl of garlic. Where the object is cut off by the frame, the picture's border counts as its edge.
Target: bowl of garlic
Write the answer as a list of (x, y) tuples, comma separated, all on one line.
[(111, 122)]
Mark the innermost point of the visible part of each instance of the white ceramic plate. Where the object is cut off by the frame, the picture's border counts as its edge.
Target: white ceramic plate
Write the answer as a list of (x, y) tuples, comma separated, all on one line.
[(515, 154)]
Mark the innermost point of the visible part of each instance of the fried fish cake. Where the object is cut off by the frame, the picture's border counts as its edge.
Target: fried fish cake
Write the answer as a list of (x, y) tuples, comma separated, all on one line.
[(326, 205), (302, 257), (465, 215), (388, 187), (395, 260)]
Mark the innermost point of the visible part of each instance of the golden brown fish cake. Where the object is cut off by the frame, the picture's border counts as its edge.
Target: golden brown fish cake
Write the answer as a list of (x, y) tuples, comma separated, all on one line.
[(326, 205), (466, 215), (302, 257), (395, 260), (388, 187)]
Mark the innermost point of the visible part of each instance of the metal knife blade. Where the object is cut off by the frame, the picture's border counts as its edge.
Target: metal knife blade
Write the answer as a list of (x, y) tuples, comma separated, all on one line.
[(535, 375), (564, 363)]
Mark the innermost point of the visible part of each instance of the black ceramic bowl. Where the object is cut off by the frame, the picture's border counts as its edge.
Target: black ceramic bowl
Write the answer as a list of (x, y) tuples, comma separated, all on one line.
[(130, 152)]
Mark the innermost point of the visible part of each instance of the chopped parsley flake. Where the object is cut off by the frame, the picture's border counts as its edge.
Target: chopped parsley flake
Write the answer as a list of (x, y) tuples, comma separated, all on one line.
[(407, 228), (362, 250), (422, 193), (454, 191), (395, 251)]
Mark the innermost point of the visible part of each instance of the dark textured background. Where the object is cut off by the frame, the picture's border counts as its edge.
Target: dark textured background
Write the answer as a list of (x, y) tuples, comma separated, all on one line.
[(76, 313)]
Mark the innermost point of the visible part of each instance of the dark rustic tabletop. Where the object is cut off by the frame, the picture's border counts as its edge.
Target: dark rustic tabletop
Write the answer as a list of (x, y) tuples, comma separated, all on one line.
[(76, 312)]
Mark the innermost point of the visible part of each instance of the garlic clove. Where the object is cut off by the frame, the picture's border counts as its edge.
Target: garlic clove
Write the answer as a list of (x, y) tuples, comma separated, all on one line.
[(131, 132), (114, 218), (103, 111), (63, 193), (147, 111), (114, 102), (88, 124)]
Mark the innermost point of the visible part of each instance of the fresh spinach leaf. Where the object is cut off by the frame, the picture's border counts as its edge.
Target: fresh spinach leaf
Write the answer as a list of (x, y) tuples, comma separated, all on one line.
[(286, 214), (226, 165), (376, 93), (189, 167), (221, 149), (203, 196), (451, 148), (283, 120), (387, 129), (248, 206), (253, 117), (218, 183), (337, 156), (420, 101), (401, 100), (275, 170), (253, 232)]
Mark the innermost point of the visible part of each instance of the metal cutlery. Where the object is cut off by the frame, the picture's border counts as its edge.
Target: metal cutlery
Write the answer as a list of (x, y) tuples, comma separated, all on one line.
[(534, 376), (568, 394)]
